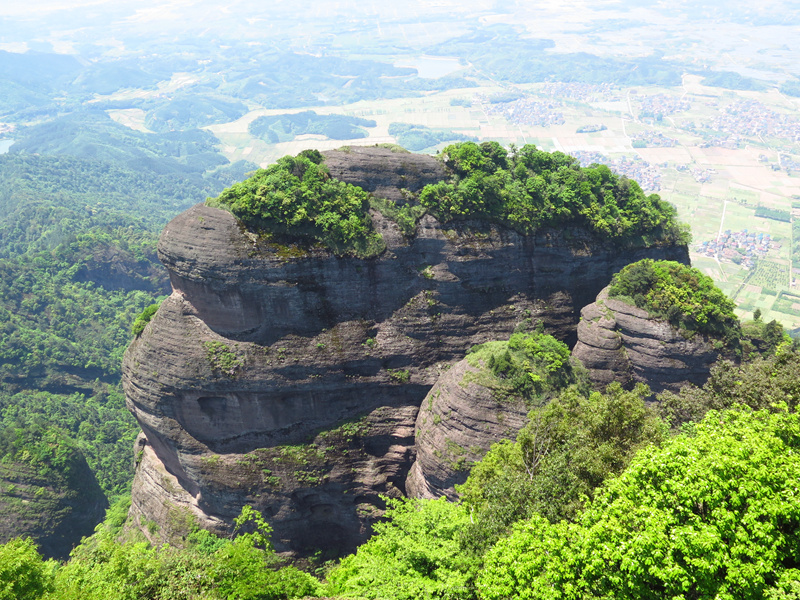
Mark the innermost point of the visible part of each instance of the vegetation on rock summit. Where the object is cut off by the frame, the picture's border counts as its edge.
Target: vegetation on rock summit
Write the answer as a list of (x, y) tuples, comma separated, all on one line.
[(679, 294), (524, 189)]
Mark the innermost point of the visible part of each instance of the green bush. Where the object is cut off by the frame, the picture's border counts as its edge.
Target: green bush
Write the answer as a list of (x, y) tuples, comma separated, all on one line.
[(298, 197), (528, 189), (23, 573), (529, 366), (713, 513), (679, 294), (143, 319), (414, 554)]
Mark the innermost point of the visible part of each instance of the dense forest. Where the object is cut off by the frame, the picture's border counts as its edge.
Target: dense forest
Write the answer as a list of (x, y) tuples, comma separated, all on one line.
[(418, 137), (78, 263)]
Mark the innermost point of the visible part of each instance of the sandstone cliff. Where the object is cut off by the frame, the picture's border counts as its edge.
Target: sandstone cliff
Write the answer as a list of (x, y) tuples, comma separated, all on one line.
[(287, 378), (384, 172), (620, 342)]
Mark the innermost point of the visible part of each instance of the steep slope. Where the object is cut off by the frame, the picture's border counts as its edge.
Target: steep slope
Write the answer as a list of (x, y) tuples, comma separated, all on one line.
[(483, 399), (48, 492), (458, 421), (247, 376)]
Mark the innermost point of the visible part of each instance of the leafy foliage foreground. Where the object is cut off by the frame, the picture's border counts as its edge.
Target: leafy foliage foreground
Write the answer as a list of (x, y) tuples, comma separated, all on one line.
[(713, 513)]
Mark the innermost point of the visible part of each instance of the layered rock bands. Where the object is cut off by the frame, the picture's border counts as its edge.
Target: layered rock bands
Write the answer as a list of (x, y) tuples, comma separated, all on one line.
[(290, 379), (620, 342)]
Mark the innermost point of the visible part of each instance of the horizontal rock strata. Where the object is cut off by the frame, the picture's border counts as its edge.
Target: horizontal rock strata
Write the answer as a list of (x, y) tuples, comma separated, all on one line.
[(458, 421), (620, 342), (264, 345), (384, 172)]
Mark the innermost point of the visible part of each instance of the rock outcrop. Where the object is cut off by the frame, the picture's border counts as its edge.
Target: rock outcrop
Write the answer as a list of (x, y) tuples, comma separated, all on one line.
[(247, 376), (458, 421), (384, 172), (620, 342)]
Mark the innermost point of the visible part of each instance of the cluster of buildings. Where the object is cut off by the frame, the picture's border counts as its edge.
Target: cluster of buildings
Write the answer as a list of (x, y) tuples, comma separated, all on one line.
[(527, 111), (652, 139), (730, 141), (752, 118), (700, 175), (646, 175), (661, 104), (741, 247), (788, 163), (582, 92)]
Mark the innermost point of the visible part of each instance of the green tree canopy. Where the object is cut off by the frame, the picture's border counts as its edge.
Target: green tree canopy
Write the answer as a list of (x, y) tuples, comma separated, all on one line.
[(414, 554), (764, 383), (713, 513), (528, 189), (679, 294), (297, 196), (567, 449), (23, 573)]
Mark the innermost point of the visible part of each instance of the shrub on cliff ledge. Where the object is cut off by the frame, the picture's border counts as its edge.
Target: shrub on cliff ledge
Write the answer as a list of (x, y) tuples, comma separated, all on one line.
[(297, 197), (531, 366), (679, 294)]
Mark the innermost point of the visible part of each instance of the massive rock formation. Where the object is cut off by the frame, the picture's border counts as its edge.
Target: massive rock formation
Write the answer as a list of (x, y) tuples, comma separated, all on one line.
[(620, 342), (287, 378), (384, 172)]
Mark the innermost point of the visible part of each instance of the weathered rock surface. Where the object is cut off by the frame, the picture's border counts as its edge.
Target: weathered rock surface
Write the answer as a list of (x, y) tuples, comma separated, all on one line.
[(620, 342), (115, 269), (261, 346), (457, 423), (384, 172)]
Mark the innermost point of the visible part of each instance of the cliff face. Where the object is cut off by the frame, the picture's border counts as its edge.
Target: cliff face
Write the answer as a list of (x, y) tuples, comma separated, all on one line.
[(620, 342), (262, 347)]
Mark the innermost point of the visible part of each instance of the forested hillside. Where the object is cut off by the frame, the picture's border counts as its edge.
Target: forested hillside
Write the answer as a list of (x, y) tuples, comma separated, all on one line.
[(78, 264)]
